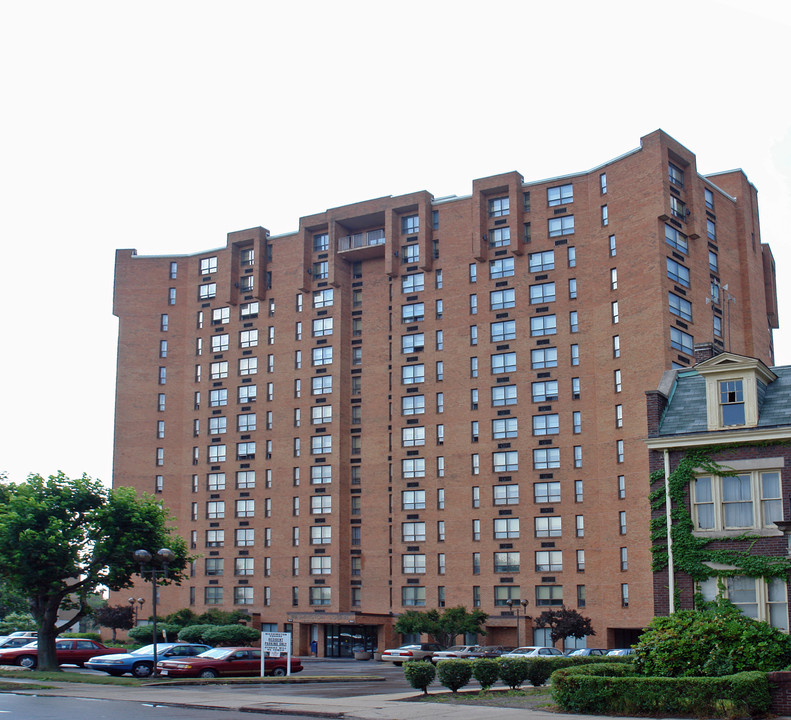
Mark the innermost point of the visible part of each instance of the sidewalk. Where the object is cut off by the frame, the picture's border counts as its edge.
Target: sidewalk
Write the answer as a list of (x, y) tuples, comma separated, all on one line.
[(266, 701)]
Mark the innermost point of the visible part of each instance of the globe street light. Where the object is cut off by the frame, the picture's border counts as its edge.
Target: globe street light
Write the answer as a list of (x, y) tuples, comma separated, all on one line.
[(511, 605), (154, 566), (140, 602)]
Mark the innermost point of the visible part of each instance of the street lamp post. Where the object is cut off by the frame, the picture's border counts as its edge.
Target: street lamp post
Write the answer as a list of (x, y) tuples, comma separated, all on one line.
[(154, 566), (140, 602), (516, 605)]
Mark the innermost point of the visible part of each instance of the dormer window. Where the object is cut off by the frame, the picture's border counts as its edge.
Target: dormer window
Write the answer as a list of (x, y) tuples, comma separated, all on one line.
[(732, 402)]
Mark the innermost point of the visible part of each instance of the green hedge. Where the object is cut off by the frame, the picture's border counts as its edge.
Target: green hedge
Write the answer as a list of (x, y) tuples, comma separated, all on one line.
[(420, 674), (613, 689), (454, 673)]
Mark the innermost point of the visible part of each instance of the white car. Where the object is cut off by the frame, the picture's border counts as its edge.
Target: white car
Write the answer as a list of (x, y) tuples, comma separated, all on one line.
[(465, 652), (533, 651), (414, 651)]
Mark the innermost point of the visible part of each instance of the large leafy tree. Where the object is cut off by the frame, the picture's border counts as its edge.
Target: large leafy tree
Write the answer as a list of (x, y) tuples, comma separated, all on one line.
[(443, 626), (61, 539), (564, 622)]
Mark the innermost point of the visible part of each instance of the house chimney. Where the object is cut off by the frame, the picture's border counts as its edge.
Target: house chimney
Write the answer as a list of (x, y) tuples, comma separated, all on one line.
[(704, 351)]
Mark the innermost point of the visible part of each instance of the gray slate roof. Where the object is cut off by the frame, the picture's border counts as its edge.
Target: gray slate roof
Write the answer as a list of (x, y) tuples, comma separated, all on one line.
[(686, 411)]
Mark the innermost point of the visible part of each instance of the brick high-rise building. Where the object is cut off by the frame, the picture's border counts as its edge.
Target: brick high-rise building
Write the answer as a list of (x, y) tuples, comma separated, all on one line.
[(414, 402)]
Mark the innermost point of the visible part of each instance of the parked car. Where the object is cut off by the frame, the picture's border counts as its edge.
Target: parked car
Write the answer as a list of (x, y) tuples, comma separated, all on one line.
[(533, 651), (621, 651), (493, 651), (140, 662), (68, 651), (414, 651), (465, 652), (227, 661), (586, 652), (13, 642), (30, 634)]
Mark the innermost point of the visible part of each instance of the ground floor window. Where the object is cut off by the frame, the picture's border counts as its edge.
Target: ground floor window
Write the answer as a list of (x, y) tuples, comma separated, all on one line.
[(345, 640), (755, 597)]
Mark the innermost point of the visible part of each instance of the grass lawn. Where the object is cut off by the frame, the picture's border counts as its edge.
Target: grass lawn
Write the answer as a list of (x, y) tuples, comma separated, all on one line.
[(526, 699)]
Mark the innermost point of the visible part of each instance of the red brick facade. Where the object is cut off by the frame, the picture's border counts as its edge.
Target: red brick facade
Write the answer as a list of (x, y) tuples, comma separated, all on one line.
[(485, 437)]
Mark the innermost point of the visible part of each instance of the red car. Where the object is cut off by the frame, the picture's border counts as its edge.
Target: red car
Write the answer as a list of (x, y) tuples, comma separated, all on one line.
[(68, 651), (231, 661)]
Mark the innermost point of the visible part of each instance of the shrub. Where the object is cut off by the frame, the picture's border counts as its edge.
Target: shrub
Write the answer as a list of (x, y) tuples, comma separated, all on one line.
[(85, 635), (716, 641), (486, 671), (194, 633), (16, 622), (454, 674), (231, 635), (144, 634), (420, 674), (590, 690), (513, 671)]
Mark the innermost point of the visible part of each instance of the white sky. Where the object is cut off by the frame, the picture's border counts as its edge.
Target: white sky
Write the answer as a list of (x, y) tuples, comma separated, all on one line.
[(164, 125)]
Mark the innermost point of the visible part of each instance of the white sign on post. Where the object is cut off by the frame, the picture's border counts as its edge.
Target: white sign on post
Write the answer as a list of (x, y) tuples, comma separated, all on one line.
[(274, 644)]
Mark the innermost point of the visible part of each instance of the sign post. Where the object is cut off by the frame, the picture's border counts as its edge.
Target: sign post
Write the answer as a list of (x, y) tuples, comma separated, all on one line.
[(274, 644)]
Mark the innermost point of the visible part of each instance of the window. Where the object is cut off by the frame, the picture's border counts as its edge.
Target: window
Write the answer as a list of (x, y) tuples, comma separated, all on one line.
[(321, 444), (675, 239), (549, 561), (216, 453), (506, 562), (212, 595), (575, 388), (413, 532), (560, 195), (502, 331), (504, 395), (619, 451), (505, 593), (410, 253), (679, 306), (438, 279), (757, 598), (561, 226), (440, 370), (245, 508), (412, 283), (575, 354), (413, 564), (440, 402), (574, 324), (621, 486), (246, 394), (499, 237), (322, 326), (543, 358), (678, 208), (473, 304), (548, 526), (163, 348), (215, 538), (220, 316), (412, 343), (500, 268), (605, 216), (505, 494), (474, 399), (245, 479), (549, 595), (675, 175), (614, 312), (572, 256), (321, 385), (713, 261), (208, 265), (749, 500), (413, 436), (413, 405), (246, 422), (498, 207), (320, 504), (505, 461), (410, 224), (541, 261), (732, 402), (248, 257), (248, 310), (619, 416), (709, 197), (412, 313), (323, 298), (440, 498), (413, 499), (579, 522), (506, 528), (413, 467), (546, 424), (321, 355), (413, 596), (215, 510), (603, 183), (542, 293), (617, 380), (612, 246), (681, 341), (248, 338), (217, 425), (320, 596), (246, 284), (543, 325), (504, 428), (624, 559), (320, 535), (439, 339), (544, 458), (174, 270), (207, 291), (502, 299), (320, 474), (577, 421), (504, 362), (580, 561), (542, 391), (219, 343), (622, 522), (473, 273), (572, 288)]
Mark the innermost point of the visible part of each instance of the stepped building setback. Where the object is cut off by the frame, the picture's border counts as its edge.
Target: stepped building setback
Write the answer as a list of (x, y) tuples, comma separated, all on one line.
[(414, 402)]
